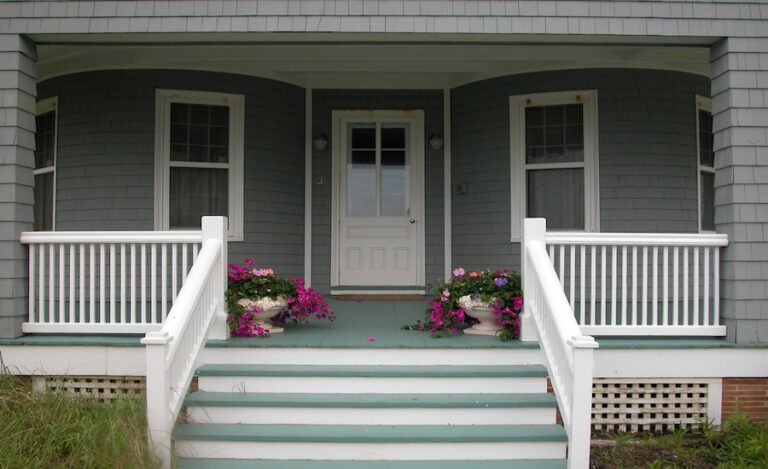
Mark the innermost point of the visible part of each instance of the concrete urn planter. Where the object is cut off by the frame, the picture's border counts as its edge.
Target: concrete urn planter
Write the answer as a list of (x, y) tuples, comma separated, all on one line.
[(268, 308), (482, 311)]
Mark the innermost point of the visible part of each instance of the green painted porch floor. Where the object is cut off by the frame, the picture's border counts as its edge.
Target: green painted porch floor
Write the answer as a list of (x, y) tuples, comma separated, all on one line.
[(356, 321)]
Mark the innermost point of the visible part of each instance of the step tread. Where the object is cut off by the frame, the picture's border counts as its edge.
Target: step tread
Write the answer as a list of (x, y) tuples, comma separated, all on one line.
[(347, 400), (371, 433), (374, 371), (319, 464)]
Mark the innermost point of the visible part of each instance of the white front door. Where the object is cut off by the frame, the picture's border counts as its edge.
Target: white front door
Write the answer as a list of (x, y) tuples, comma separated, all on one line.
[(378, 198)]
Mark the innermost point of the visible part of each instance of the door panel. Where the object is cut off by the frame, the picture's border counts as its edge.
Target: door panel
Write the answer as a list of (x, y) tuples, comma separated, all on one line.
[(379, 202)]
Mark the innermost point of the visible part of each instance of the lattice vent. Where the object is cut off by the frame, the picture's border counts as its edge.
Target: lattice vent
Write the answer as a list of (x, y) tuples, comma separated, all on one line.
[(636, 406), (100, 387)]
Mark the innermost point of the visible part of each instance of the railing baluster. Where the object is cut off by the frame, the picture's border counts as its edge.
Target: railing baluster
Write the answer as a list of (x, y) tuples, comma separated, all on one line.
[(144, 317), (41, 284), (72, 307), (675, 286), (634, 286), (134, 310), (174, 269), (112, 282), (685, 286), (62, 285), (31, 285), (52, 283), (696, 293), (645, 286), (122, 284), (153, 296), (102, 283), (164, 281), (562, 265), (82, 283), (184, 255), (603, 292), (623, 286), (583, 252), (716, 286), (706, 286), (665, 313), (92, 284), (572, 298), (593, 285), (655, 320)]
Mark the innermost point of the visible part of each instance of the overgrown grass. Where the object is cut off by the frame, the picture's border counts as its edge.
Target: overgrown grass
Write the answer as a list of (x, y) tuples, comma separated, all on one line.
[(740, 443), (53, 430)]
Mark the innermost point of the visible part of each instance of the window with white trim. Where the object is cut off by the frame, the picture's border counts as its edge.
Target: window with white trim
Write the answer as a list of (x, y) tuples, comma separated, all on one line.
[(45, 164), (706, 163), (554, 153), (199, 159)]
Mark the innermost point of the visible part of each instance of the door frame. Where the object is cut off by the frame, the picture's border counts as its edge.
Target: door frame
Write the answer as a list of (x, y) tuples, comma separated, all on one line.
[(339, 119)]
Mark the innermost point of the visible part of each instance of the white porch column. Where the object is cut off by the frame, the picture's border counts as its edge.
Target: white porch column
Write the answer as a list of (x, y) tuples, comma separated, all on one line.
[(740, 110), (18, 76)]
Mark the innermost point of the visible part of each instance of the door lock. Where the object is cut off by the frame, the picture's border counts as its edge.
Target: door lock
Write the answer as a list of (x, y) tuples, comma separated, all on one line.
[(413, 220)]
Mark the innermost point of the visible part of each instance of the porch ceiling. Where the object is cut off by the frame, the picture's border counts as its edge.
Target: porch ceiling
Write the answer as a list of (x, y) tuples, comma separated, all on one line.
[(368, 65)]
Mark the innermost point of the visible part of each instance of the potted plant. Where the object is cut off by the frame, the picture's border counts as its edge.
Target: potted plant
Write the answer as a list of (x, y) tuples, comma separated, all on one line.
[(480, 302), (260, 302)]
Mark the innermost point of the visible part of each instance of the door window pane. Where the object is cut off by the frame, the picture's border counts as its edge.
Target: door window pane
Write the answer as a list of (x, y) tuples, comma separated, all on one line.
[(361, 183), (554, 134), (393, 138), (707, 201), (394, 183), (197, 192), (43, 201), (558, 196), (199, 133)]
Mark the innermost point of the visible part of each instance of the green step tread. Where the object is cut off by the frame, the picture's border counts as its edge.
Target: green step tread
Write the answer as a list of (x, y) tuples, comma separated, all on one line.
[(366, 400), (371, 433), (325, 464), (376, 371)]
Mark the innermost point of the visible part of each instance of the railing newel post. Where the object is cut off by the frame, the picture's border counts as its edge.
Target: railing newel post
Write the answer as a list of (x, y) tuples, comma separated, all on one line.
[(215, 228), (158, 407), (534, 229)]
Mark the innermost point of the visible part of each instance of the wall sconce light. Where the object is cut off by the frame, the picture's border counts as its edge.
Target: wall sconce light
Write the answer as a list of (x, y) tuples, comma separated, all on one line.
[(436, 141), (320, 142)]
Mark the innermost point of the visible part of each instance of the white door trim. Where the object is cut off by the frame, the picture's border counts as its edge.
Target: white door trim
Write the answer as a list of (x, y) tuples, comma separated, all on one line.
[(340, 117)]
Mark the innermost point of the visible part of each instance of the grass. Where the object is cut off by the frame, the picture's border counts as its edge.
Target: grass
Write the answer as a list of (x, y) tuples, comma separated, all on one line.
[(740, 443), (54, 430)]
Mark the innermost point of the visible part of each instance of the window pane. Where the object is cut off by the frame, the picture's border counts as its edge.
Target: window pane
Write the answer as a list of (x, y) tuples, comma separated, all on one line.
[(393, 138), (199, 133), (394, 183), (554, 134), (558, 196), (363, 138), (197, 192), (45, 139), (707, 201), (361, 183), (43, 202), (706, 139)]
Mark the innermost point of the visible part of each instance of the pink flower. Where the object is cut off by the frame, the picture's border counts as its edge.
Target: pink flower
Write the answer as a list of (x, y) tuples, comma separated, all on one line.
[(473, 274), (458, 272), (446, 294), (371, 338), (248, 261), (263, 272)]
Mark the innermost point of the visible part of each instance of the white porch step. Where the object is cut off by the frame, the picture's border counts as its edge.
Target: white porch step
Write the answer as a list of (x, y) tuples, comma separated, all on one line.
[(371, 409), (371, 442), (372, 379)]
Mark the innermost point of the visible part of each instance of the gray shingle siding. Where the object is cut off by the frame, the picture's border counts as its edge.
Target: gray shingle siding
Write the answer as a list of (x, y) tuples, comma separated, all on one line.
[(17, 144), (105, 178), (740, 108), (325, 101), (647, 156)]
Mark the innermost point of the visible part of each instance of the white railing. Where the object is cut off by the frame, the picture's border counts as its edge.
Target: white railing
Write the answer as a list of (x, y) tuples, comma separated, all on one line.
[(641, 284), (172, 352), (568, 354), (105, 281)]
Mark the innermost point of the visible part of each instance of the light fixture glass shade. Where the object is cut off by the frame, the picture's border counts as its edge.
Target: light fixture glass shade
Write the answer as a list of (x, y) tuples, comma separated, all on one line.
[(320, 142), (436, 141)]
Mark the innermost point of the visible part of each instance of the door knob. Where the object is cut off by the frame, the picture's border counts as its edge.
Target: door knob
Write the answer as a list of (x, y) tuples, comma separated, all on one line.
[(413, 220)]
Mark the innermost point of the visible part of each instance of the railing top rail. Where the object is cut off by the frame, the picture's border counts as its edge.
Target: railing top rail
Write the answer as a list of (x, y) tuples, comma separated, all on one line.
[(569, 330), (177, 321), (637, 239), (43, 237)]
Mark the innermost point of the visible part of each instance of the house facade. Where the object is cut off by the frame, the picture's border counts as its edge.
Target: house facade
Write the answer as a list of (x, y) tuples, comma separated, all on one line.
[(373, 146)]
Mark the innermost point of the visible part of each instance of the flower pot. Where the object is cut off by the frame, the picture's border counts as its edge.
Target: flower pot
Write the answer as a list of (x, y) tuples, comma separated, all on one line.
[(483, 312), (268, 308)]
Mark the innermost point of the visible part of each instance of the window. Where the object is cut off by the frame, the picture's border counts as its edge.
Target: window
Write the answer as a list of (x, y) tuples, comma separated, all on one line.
[(706, 163), (199, 159), (45, 164), (553, 142)]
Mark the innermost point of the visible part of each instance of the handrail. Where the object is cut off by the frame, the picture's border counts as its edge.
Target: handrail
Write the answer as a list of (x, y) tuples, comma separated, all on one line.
[(38, 237), (568, 353), (173, 351), (636, 239)]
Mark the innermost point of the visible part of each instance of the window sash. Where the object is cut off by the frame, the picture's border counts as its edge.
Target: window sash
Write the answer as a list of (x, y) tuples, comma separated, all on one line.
[(45, 210), (704, 107)]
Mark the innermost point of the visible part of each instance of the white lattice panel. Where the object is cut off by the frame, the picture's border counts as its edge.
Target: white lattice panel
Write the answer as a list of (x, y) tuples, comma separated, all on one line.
[(651, 406), (99, 387)]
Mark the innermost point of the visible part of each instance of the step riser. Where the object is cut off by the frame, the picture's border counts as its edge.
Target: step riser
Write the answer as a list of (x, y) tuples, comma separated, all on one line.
[(370, 451), (403, 357), (278, 384), (367, 416)]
